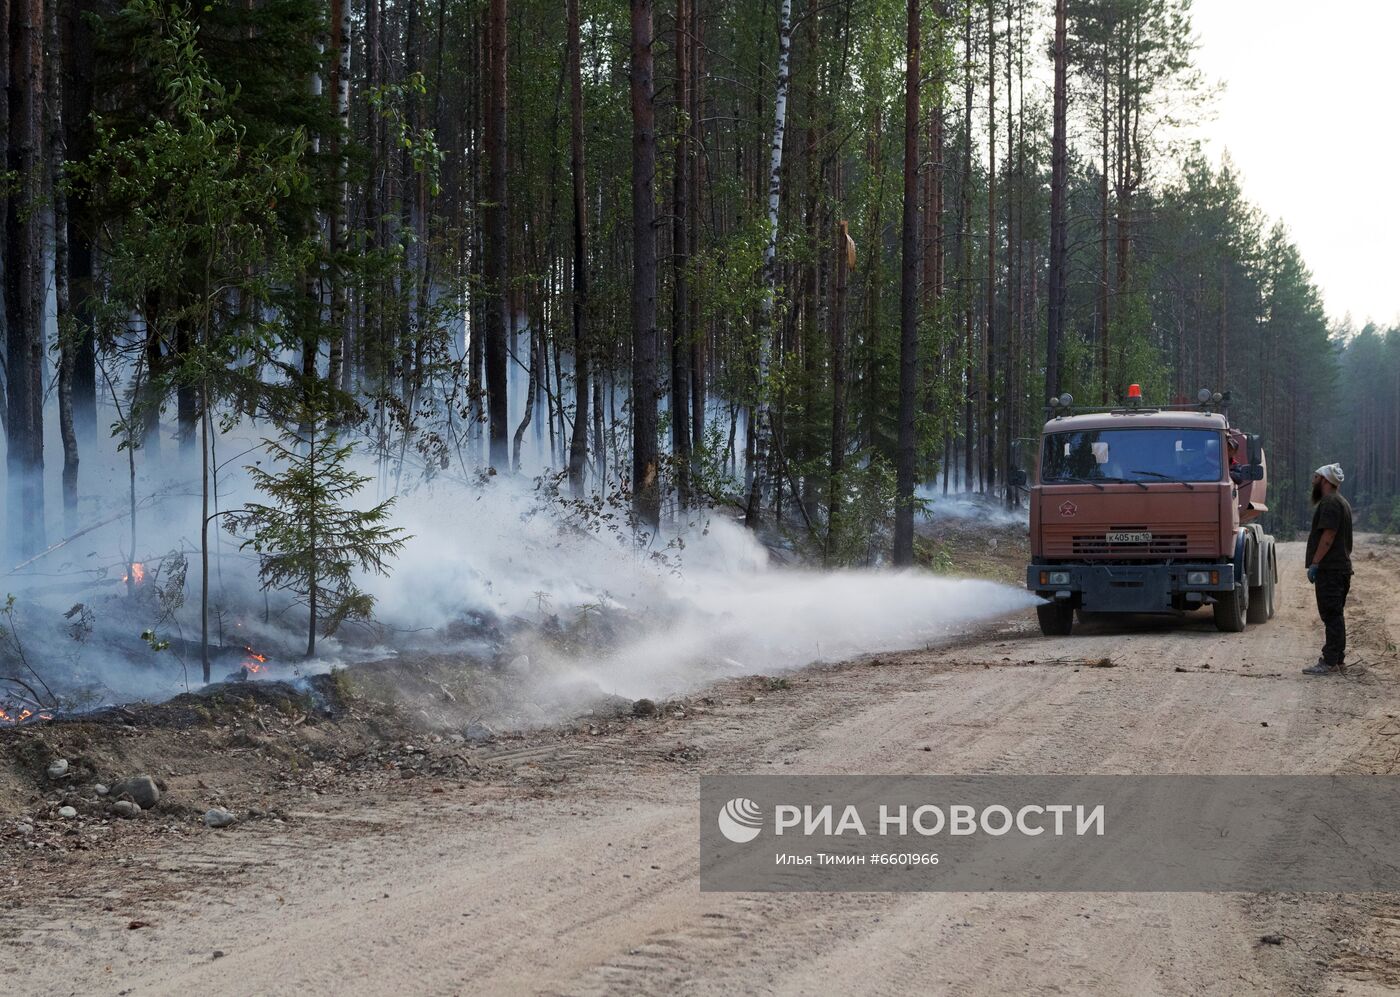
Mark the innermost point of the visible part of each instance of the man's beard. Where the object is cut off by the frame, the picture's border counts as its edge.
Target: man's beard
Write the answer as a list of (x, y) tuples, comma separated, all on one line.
[(1316, 492)]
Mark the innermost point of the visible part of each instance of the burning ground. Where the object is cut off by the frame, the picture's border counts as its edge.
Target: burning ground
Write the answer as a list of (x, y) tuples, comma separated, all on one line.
[(510, 579)]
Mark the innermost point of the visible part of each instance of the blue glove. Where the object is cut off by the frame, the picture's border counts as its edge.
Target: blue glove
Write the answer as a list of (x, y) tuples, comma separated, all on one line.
[(1312, 573)]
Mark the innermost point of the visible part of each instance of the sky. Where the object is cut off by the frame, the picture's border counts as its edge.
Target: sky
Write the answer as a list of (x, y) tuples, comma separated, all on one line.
[(1308, 115)]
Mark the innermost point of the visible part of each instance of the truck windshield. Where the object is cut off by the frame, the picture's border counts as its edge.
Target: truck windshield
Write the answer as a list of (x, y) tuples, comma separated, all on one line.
[(1155, 454)]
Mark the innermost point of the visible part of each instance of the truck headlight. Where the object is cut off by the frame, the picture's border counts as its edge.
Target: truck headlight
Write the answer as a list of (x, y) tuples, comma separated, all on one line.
[(1058, 578), (1198, 578)]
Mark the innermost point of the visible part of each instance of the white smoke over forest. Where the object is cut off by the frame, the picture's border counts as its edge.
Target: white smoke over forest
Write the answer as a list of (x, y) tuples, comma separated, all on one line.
[(493, 565)]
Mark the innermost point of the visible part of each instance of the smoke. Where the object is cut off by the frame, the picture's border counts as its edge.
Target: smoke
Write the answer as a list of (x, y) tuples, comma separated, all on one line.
[(965, 508), (499, 571), (701, 604)]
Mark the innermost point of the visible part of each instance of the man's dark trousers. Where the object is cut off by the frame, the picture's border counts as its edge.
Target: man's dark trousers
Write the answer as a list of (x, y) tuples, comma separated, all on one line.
[(1332, 588)]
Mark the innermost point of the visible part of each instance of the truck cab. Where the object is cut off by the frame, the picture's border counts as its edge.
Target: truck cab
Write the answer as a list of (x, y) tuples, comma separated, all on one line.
[(1141, 510)]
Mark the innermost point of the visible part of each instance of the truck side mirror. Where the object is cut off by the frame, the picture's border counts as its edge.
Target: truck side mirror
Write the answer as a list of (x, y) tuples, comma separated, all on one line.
[(1019, 478), (1256, 449), (1254, 472)]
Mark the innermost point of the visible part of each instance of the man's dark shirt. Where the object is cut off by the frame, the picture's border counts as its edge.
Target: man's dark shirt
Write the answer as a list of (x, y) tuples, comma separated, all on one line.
[(1332, 513)]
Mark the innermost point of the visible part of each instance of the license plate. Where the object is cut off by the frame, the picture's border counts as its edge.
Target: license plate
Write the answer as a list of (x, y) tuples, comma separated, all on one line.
[(1126, 537)]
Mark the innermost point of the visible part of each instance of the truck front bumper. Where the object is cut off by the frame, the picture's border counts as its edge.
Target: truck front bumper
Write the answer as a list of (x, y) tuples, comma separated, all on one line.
[(1130, 588)]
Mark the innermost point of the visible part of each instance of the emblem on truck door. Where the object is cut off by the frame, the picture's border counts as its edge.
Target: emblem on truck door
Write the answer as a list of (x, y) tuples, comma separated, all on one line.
[(1068, 509)]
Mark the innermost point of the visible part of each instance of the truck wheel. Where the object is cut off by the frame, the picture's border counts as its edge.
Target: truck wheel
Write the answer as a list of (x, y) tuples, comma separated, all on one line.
[(1231, 609), (1056, 619), (1261, 599)]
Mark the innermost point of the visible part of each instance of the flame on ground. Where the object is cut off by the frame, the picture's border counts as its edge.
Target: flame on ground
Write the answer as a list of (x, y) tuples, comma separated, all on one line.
[(256, 662), (23, 716), (136, 573)]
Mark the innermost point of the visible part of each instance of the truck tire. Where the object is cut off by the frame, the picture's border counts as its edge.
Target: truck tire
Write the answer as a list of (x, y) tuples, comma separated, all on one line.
[(1231, 609), (1056, 619), (1261, 598)]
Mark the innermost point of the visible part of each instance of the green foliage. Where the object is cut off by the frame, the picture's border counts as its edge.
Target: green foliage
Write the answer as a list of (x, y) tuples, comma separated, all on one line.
[(391, 103), (155, 641), (215, 179), (193, 222), (861, 533), (309, 540)]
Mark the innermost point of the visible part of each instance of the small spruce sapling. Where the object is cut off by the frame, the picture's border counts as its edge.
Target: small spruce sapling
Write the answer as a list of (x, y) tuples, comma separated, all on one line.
[(309, 541)]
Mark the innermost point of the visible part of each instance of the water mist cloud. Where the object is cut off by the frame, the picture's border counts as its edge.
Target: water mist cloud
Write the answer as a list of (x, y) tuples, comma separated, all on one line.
[(709, 606)]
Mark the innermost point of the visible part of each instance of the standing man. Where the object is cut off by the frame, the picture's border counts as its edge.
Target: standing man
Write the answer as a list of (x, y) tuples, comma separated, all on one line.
[(1329, 565)]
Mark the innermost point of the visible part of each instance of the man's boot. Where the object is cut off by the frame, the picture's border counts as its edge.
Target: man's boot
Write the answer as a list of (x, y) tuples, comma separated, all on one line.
[(1322, 668)]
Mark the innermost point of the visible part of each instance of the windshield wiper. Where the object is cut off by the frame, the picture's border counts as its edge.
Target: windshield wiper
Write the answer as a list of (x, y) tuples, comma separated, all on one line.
[(1067, 480), (1165, 477), (1127, 481)]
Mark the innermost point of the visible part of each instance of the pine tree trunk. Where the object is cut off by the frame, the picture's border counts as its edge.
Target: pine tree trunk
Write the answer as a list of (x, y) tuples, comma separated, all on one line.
[(1103, 235), (77, 109), (1221, 355), (1057, 291), (835, 501), (370, 358), (908, 305), (12, 484), (66, 347), (311, 547), (498, 320), (681, 332), (989, 338), (204, 536), (646, 498), (338, 371), (24, 280), (1011, 351), (697, 162), (965, 243), (476, 101), (578, 441)]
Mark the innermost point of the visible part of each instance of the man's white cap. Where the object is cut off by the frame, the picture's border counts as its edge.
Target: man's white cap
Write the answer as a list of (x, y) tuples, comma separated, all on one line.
[(1332, 472)]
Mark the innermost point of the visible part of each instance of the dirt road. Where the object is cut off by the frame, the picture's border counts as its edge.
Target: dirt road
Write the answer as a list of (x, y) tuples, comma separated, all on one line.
[(580, 878)]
